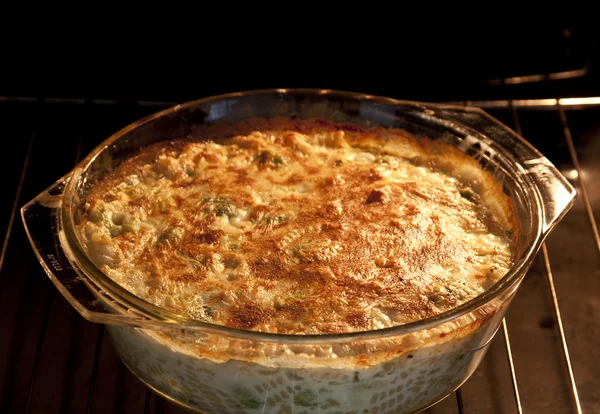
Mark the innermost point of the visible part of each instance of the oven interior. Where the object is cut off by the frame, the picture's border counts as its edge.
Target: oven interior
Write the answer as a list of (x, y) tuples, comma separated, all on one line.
[(546, 356)]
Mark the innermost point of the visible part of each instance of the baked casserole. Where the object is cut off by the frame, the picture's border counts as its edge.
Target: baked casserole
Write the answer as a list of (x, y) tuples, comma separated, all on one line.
[(301, 227)]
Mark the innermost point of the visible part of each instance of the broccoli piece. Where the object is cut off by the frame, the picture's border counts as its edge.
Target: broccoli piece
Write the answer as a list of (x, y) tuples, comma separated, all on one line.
[(306, 398), (220, 206), (267, 158), (245, 398)]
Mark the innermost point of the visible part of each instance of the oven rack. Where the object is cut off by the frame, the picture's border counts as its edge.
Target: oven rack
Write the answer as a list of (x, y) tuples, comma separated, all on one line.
[(51, 360)]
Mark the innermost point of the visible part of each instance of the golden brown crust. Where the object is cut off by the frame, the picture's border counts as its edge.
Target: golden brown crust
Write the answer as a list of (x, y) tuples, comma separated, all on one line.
[(340, 244)]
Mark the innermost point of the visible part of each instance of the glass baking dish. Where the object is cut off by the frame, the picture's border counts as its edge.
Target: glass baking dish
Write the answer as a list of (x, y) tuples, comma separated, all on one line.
[(216, 369)]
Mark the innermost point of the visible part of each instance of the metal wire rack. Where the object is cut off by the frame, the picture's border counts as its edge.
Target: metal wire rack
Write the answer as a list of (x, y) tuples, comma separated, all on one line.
[(51, 360)]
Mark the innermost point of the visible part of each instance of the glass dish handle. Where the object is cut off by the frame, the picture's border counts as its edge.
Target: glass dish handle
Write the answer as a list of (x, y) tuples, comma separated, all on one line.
[(42, 225), (557, 195)]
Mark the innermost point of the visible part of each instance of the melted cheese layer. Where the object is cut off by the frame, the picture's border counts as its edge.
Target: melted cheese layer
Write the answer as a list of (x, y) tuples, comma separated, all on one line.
[(301, 227)]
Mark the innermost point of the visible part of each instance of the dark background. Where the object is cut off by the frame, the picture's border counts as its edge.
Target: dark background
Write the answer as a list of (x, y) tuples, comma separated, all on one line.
[(447, 59)]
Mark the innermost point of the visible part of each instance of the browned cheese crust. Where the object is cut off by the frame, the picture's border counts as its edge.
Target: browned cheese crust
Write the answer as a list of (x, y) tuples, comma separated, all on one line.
[(301, 226)]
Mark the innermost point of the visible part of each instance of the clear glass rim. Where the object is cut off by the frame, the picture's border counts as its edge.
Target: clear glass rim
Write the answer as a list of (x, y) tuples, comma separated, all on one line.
[(158, 314)]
